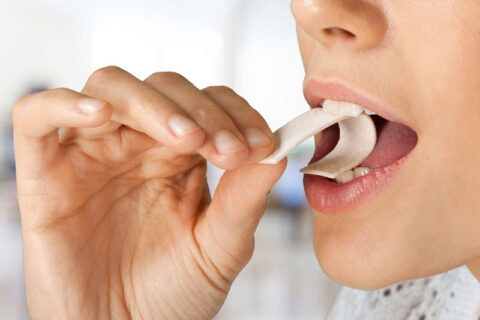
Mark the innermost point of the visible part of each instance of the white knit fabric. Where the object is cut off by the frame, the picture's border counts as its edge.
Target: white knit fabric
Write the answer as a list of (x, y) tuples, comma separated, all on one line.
[(454, 295)]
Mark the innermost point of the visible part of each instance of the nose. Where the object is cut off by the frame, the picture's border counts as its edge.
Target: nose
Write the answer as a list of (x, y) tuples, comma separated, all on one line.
[(357, 23)]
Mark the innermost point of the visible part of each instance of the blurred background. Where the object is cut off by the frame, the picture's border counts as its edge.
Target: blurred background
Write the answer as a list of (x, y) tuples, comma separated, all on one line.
[(249, 45)]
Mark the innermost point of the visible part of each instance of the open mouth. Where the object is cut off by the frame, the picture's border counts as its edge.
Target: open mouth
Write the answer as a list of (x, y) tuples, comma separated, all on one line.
[(394, 141), (394, 145)]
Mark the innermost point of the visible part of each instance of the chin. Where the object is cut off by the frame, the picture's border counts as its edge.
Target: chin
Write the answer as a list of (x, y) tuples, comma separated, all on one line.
[(357, 261)]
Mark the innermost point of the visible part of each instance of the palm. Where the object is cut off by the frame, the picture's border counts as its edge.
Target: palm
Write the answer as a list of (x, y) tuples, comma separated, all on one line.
[(136, 210)]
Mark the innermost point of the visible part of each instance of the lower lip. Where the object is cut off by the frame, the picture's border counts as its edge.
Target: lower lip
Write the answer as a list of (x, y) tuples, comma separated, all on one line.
[(328, 197)]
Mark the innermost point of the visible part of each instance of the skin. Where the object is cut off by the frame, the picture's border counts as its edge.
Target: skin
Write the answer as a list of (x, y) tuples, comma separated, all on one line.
[(116, 216), (421, 59)]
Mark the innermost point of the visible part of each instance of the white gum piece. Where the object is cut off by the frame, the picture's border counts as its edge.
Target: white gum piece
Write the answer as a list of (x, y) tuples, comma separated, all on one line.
[(300, 129), (342, 108), (357, 140)]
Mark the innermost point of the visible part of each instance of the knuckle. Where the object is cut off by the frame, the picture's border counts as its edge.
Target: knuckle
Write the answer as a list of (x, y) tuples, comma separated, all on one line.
[(19, 107), (165, 77), (104, 74), (203, 111), (43, 98), (219, 90), (49, 96)]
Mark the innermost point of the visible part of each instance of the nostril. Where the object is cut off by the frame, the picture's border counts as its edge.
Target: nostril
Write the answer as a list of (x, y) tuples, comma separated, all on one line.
[(339, 32)]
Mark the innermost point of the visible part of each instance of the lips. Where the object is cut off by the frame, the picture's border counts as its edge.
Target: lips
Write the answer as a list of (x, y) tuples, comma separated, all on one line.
[(395, 141)]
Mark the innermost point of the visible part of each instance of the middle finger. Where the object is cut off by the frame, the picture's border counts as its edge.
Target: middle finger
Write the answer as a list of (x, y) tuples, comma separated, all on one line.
[(225, 146)]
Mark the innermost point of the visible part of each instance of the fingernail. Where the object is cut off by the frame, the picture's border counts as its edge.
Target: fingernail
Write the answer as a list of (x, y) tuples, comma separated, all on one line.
[(226, 142), (256, 137), (89, 105), (181, 125)]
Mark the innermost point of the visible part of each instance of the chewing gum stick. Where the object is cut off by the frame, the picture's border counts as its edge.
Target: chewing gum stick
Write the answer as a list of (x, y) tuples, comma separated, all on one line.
[(357, 140), (300, 129)]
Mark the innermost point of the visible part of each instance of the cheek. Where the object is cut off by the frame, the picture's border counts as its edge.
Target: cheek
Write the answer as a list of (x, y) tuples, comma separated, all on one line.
[(441, 51), (445, 67)]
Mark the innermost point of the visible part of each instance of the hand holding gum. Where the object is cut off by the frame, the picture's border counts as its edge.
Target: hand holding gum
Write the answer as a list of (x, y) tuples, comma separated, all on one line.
[(357, 137)]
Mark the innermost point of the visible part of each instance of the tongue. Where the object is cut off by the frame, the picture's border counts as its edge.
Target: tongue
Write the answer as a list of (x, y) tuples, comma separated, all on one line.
[(394, 141)]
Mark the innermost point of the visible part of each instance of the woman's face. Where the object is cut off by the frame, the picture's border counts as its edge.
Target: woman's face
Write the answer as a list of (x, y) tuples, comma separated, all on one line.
[(421, 59)]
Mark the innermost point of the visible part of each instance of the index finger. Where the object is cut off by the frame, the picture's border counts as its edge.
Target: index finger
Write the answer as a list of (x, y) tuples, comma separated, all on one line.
[(36, 118), (142, 108)]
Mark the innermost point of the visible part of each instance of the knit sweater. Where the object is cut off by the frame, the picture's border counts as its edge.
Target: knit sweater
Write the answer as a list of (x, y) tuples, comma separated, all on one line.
[(454, 295)]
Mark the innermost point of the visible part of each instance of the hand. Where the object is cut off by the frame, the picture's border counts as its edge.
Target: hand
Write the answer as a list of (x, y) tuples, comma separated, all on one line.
[(116, 214)]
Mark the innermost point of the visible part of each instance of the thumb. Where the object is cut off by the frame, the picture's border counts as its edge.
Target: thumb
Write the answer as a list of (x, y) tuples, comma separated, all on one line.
[(235, 211)]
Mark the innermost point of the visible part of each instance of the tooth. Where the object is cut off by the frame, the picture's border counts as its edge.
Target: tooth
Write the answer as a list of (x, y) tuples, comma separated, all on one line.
[(345, 177), (342, 108), (369, 113), (361, 171)]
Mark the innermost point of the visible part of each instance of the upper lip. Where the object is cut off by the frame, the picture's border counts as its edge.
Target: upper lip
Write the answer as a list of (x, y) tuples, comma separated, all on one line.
[(316, 92)]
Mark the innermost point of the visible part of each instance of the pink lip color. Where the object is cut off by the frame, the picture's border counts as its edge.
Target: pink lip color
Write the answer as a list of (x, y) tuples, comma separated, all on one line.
[(317, 91), (328, 197)]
